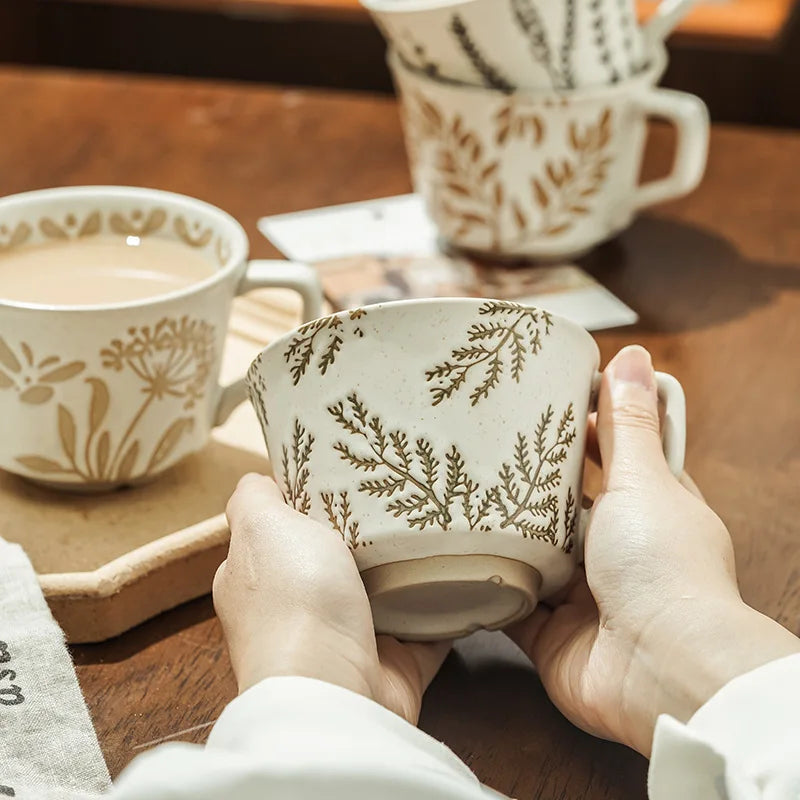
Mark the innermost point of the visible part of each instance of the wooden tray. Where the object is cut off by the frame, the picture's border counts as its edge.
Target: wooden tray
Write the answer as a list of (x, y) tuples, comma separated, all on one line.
[(108, 562)]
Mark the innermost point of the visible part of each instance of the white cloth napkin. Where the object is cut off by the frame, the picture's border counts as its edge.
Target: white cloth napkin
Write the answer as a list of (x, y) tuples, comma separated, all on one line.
[(48, 747)]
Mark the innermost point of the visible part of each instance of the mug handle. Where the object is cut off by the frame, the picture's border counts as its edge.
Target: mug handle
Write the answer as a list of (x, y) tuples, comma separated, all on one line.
[(666, 18), (271, 275), (689, 114), (673, 435)]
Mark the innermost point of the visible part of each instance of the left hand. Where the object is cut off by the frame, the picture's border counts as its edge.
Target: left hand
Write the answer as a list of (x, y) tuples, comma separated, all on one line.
[(291, 602)]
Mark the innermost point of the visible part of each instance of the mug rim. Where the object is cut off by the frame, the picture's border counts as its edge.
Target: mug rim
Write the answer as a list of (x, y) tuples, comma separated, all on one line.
[(415, 302), (238, 254), (400, 7), (648, 77)]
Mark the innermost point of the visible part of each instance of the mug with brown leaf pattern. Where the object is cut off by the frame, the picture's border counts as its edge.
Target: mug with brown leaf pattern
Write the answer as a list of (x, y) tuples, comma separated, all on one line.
[(97, 396), (443, 440), (542, 175)]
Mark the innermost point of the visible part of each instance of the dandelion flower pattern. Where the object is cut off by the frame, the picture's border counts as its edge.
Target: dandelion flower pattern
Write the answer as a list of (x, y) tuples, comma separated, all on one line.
[(171, 359)]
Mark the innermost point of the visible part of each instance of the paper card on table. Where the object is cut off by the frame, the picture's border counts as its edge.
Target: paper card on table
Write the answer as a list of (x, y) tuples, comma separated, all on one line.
[(389, 226), (385, 250)]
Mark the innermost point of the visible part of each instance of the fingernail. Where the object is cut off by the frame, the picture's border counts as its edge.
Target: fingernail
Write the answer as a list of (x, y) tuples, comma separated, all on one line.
[(633, 365)]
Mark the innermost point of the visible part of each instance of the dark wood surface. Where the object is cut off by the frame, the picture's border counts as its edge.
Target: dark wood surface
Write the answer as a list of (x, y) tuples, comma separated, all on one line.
[(741, 56), (748, 22), (715, 278)]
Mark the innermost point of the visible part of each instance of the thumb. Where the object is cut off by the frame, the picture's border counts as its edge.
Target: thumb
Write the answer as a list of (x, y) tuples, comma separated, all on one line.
[(628, 429)]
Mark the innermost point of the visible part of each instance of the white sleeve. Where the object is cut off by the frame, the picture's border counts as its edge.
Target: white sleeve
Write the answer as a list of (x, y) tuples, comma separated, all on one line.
[(743, 744), (302, 739)]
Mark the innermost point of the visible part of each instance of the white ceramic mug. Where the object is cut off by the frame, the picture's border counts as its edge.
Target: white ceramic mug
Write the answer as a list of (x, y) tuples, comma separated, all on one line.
[(444, 441), (524, 44), (97, 396), (538, 174)]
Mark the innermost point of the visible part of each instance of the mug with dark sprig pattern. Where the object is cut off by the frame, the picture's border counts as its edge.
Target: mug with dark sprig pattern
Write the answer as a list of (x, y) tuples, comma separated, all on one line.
[(510, 45)]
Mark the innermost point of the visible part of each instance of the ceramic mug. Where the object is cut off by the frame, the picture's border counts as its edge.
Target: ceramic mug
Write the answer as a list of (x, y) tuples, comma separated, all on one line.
[(524, 44), (444, 440), (97, 396), (542, 175)]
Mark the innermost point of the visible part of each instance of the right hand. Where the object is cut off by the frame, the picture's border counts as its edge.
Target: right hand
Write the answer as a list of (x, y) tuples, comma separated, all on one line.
[(657, 624)]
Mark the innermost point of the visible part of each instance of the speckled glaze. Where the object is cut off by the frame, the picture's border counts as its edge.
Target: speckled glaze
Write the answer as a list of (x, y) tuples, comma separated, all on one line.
[(97, 396), (439, 428), (525, 44), (542, 174)]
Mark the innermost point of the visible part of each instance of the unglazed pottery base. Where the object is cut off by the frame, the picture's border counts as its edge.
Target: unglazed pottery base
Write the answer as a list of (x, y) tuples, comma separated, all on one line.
[(446, 597)]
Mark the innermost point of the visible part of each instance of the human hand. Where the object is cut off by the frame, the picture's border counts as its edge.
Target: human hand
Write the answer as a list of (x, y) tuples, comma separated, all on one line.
[(291, 602), (656, 624)]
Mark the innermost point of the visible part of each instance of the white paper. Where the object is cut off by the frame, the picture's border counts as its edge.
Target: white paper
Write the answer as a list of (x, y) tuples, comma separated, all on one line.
[(399, 226), (391, 226)]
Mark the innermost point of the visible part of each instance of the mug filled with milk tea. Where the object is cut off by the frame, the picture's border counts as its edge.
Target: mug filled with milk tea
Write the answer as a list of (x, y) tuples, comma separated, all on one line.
[(444, 441), (114, 304)]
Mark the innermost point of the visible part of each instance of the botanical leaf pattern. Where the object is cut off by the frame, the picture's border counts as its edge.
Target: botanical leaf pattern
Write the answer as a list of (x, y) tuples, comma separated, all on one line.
[(72, 226), (469, 194), (320, 341), (195, 234), (568, 44), (431, 488), (40, 464), (137, 222), (257, 388), (490, 75), (340, 515), (14, 236), (296, 470), (468, 189), (600, 33), (169, 441), (406, 474), (499, 345), (525, 497), (33, 379), (571, 513), (36, 395), (532, 26), (517, 120)]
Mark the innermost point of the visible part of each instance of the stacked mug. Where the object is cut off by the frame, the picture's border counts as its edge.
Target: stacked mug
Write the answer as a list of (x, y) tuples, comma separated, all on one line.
[(526, 120)]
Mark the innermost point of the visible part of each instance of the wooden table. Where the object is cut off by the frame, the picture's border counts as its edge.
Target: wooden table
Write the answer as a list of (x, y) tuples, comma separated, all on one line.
[(736, 22), (715, 278)]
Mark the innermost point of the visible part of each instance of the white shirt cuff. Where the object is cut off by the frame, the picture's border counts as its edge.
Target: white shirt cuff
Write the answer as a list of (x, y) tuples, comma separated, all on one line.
[(332, 723), (743, 743), (301, 739)]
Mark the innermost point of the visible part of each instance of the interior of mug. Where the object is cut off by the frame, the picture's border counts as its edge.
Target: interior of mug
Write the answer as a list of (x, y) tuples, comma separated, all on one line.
[(130, 214)]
